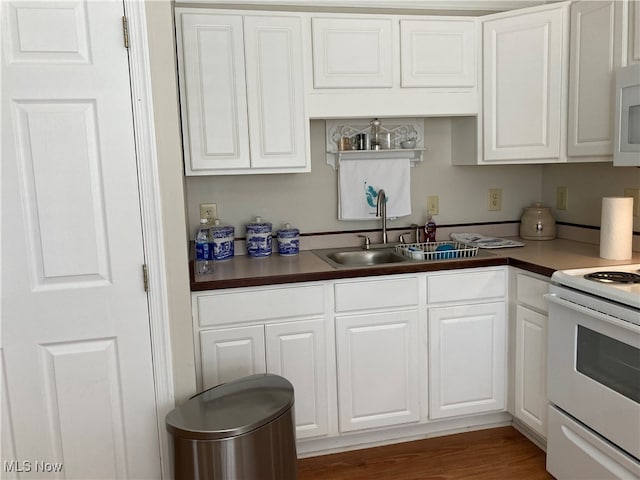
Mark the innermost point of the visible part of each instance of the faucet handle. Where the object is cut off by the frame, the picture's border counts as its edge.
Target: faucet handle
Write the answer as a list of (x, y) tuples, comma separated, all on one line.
[(367, 242), (401, 239)]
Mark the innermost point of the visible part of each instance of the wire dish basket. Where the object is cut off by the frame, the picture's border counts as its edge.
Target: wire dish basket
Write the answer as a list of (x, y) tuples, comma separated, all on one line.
[(436, 250)]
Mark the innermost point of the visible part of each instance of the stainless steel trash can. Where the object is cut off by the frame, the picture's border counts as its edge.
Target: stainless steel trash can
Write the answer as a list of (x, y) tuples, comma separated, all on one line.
[(241, 430)]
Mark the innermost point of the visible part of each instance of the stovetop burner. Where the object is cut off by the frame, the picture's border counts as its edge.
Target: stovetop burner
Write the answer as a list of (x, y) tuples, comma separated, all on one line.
[(613, 277)]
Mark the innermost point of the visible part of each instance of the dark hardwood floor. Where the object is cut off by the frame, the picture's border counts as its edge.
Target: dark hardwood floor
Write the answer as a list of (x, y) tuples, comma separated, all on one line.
[(493, 454)]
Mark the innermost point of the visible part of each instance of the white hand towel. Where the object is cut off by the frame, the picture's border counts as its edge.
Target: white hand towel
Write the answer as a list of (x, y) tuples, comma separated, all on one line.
[(360, 180)]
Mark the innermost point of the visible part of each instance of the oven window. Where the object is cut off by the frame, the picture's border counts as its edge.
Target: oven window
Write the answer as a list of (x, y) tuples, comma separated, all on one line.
[(609, 362)]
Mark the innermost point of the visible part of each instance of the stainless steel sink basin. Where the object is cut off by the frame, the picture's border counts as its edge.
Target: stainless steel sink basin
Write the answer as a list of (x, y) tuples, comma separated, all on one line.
[(356, 257)]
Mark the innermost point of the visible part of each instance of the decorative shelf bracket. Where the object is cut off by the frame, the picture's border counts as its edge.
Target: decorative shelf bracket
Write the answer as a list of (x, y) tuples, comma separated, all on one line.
[(400, 129)]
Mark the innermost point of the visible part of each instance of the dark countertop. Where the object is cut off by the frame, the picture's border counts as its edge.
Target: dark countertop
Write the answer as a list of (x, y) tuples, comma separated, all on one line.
[(542, 257)]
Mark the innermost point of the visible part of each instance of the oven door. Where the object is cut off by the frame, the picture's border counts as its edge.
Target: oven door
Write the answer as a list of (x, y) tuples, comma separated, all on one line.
[(594, 368)]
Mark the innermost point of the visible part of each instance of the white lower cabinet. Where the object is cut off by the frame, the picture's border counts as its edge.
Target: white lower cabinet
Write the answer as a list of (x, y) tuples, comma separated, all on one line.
[(377, 359), (284, 333), (293, 350), (530, 351), (365, 354), (467, 350), (531, 364), (296, 351), (231, 353)]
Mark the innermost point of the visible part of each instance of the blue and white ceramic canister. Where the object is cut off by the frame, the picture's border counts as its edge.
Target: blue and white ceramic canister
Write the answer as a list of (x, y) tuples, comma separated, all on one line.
[(288, 240), (259, 238), (222, 238)]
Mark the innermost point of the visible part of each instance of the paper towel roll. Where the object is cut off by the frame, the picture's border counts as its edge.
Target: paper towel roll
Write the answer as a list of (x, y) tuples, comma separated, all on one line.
[(616, 228)]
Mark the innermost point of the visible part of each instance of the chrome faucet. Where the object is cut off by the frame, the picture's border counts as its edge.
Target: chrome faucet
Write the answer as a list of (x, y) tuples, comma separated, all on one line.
[(381, 211)]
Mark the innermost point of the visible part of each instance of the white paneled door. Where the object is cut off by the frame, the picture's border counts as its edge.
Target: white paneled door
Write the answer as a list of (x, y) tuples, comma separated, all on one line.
[(77, 377)]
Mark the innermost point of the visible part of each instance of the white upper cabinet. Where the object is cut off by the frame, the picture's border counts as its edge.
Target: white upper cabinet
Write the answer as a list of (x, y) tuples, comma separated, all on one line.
[(525, 84), (438, 53), (242, 92), (352, 52), (213, 92), (367, 65), (597, 38), (634, 32)]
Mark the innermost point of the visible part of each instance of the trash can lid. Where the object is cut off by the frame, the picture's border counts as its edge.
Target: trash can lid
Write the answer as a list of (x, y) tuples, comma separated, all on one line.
[(232, 409)]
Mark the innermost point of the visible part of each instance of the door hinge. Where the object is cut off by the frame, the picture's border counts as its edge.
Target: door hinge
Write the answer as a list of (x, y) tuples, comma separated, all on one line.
[(145, 277), (125, 31)]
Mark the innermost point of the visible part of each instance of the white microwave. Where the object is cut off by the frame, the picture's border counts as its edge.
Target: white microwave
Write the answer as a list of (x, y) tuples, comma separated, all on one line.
[(626, 149)]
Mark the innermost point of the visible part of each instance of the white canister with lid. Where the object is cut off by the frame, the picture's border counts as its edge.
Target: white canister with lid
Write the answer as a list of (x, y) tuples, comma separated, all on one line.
[(288, 240), (537, 223), (259, 238), (222, 238)]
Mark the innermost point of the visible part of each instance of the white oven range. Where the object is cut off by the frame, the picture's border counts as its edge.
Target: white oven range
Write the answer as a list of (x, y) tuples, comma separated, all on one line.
[(593, 375)]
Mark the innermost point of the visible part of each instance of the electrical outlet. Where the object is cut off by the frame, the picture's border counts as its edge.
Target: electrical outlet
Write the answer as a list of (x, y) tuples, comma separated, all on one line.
[(635, 193), (495, 199), (433, 205), (209, 211), (562, 198)]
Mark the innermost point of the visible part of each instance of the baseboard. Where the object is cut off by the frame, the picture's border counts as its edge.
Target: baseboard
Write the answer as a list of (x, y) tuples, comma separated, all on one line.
[(534, 437), (374, 438)]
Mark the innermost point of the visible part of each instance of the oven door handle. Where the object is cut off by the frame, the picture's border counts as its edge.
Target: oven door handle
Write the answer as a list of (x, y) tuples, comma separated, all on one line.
[(553, 298)]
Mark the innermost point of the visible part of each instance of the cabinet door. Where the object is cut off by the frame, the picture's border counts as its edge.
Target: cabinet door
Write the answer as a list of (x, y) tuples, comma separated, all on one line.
[(438, 53), (297, 352), (531, 365), (231, 353), (275, 93), (377, 360), (467, 356), (524, 85), (212, 92), (352, 52), (634, 32), (596, 51)]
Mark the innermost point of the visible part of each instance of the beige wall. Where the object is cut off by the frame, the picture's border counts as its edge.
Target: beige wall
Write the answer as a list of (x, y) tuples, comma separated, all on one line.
[(587, 183), (309, 201)]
